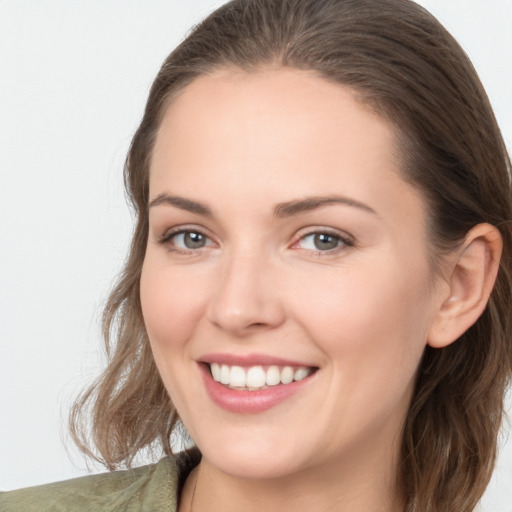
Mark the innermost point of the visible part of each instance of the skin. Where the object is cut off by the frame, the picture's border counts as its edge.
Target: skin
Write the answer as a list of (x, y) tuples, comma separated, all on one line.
[(362, 313)]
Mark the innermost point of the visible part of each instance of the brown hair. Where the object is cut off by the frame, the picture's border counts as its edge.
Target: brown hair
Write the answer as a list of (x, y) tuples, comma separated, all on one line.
[(404, 65)]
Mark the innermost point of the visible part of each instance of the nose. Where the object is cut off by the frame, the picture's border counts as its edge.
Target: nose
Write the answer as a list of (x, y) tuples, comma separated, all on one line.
[(247, 297)]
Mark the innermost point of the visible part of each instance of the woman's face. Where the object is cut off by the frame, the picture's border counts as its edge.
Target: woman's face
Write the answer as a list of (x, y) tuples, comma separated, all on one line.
[(283, 244)]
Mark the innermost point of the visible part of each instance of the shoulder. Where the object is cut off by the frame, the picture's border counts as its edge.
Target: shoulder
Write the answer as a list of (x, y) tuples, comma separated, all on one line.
[(152, 487)]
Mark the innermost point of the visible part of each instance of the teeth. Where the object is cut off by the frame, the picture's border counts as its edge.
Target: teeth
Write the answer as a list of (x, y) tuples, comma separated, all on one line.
[(237, 377), (273, 376), (225, 374), (300, 374), (256, 377), (215, 368), (287, 375)]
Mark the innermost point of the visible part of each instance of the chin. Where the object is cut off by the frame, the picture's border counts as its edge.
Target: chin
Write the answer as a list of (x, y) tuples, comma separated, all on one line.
[(252, 458)]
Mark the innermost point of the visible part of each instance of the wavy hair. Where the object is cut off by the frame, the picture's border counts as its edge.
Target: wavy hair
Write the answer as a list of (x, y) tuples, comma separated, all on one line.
[(402, 64)]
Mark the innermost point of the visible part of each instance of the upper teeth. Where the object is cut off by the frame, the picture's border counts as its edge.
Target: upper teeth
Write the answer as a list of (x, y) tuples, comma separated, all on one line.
[(256, 377)]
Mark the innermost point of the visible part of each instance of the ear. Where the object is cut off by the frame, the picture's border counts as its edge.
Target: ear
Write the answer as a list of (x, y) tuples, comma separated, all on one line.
[(472, 271)]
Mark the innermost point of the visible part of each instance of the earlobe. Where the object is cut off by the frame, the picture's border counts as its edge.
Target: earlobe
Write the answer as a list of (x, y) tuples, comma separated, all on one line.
[(471, 278)]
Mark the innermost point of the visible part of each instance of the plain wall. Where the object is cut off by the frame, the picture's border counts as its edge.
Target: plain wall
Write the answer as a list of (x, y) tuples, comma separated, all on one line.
[(74, 76)]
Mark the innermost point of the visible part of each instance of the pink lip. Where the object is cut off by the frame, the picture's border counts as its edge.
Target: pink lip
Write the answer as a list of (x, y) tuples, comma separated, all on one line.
[(249, 360), (249, 402)]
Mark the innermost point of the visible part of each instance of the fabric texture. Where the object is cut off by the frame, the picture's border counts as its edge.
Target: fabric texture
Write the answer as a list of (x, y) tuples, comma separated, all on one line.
[(152, 488)]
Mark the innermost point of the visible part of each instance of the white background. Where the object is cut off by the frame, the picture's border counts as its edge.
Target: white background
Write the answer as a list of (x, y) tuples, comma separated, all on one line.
[(74, 76)]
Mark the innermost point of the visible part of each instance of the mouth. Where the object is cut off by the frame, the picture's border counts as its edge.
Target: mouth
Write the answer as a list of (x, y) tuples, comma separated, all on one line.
[(254, 383), (258, 377)]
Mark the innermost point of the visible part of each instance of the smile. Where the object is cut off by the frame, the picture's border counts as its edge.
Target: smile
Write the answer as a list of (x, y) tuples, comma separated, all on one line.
[(253, 384), (255, 378)]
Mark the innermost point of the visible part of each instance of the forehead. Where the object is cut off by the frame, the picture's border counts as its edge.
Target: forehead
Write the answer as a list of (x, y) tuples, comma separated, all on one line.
[(281, 104), (274, 132)]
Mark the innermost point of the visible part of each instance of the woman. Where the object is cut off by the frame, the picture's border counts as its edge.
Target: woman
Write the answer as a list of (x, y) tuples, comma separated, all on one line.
[(315, 285)]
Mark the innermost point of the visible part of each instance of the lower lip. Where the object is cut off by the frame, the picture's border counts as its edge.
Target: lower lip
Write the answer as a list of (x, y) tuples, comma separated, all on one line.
[(249, 402)]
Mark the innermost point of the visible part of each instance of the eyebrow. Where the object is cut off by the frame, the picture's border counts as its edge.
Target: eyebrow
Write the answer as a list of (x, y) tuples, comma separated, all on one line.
[(291, 208), (281, 210), (182, 203)]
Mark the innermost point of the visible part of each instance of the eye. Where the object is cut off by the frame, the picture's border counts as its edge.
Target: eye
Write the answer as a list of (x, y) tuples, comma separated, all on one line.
[(186, 240), (323, 242), (190, 240)]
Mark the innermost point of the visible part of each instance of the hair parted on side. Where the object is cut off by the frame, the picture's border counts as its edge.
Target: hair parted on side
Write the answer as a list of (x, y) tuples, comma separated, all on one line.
[(401, 63)]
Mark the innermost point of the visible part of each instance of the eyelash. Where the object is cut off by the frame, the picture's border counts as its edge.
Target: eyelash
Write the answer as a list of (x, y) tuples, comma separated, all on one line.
[(166, 239), (343, 241)]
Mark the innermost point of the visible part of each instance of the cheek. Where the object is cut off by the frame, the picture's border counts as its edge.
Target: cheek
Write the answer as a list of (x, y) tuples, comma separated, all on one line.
[(370, 322), (172, 304)]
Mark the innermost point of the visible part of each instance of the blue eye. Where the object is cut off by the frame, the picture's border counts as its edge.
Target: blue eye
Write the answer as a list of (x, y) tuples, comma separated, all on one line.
[(323, 242), (186, 240), (190, 240)]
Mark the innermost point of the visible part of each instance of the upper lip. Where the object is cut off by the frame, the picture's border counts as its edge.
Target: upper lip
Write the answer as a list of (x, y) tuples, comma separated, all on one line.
[(251, 360)]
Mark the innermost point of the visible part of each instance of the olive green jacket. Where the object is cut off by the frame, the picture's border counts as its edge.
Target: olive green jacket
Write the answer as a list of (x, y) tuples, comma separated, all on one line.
[(152, 488)]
